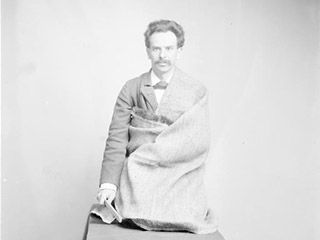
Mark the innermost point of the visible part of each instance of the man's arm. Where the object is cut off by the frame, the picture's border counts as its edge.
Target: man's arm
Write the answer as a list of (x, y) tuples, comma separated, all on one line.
[(117, 140)]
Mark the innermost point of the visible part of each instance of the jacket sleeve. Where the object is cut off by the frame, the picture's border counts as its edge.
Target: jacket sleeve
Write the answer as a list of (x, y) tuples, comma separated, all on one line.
[(117, 141)]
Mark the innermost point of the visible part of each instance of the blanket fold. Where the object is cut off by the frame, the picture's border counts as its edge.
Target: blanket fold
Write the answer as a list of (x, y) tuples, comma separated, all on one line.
[(161, 185)]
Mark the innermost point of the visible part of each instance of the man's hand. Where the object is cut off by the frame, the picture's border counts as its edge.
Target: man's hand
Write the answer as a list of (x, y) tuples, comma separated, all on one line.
[(107, 192)]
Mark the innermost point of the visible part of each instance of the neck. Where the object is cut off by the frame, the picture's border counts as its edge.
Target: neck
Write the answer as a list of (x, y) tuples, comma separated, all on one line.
[(164, 76)]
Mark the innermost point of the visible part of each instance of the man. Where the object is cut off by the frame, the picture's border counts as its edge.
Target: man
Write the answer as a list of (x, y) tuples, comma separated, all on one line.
[(164, 41), (163, 148)]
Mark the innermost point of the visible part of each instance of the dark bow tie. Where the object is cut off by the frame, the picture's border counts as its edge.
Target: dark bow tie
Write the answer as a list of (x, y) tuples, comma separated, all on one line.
[(160, 85)]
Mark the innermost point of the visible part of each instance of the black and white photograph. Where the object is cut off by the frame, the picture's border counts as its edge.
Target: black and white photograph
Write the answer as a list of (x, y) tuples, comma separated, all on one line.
[(159, 120)]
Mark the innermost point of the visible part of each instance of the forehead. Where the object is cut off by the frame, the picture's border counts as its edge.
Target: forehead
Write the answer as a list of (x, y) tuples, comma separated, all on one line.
[(163, 39)]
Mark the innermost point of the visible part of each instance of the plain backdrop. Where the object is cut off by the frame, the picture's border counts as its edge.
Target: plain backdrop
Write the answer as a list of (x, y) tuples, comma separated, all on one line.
[(64, 62)]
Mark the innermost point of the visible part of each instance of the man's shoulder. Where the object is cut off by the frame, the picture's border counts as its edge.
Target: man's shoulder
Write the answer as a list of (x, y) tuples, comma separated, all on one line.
[(137, 81), (190, 83)]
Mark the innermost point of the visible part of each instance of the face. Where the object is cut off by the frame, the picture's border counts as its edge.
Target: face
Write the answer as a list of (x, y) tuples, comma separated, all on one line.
[(163, 51)]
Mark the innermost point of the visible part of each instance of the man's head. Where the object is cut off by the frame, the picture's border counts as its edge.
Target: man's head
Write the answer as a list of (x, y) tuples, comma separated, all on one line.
[(164, 40)]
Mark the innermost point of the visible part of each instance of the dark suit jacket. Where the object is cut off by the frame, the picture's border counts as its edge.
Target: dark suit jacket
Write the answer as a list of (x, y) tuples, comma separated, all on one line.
[(181, 94)]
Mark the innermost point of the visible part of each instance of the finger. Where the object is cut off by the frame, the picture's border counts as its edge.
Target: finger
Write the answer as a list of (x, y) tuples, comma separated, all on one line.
[(109, 200), (100, 198), (101, 201)]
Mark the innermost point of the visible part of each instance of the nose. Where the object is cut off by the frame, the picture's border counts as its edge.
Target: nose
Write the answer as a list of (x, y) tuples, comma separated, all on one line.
[(163, 53)]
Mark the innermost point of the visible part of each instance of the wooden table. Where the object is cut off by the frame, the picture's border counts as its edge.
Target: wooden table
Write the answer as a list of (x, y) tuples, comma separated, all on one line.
[(97, 230)]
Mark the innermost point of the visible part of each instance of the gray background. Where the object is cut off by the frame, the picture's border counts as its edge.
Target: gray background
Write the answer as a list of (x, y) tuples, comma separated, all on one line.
[(64, 63)]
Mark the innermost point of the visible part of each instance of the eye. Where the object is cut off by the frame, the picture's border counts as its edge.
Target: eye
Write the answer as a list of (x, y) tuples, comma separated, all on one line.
[(155, 49), (169, 48)]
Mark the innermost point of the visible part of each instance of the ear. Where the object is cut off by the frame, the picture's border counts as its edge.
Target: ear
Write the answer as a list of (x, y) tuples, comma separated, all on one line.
[(179, 52), (148, 53)]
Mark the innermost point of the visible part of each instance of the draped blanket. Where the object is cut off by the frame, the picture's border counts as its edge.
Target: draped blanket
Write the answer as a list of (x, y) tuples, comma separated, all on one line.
[(161, 186)]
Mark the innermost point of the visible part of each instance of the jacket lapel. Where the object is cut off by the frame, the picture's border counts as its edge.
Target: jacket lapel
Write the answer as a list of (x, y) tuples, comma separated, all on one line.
[(172, 90), (175, 99), (148, 92)]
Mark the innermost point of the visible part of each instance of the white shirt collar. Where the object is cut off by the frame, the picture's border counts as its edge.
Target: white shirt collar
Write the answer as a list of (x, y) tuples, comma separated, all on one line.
[(155, 79)]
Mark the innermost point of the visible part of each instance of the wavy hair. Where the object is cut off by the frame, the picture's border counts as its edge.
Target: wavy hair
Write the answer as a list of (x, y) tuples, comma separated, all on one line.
[(164, 26)]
